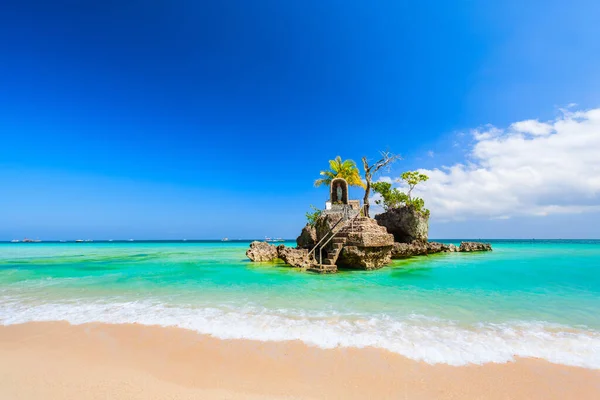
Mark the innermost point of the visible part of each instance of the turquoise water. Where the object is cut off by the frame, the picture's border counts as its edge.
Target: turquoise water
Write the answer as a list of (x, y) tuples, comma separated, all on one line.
[(526, 298)]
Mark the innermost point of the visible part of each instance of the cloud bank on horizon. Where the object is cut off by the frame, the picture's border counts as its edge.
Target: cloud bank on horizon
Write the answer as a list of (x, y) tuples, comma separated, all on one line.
[(530, 168)]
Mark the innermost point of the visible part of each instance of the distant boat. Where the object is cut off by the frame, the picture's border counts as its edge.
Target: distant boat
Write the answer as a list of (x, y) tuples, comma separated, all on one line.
[(225, 240), (88, 240), (27, 240), (63, 241), (268, 239), (14, 241), (79, 241)]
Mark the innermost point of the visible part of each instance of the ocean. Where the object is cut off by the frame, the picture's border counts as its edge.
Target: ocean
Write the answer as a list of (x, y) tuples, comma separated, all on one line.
[(525, 299)]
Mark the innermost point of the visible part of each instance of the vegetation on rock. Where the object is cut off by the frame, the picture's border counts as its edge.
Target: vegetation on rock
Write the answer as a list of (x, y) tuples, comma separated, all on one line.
[(394, 198), (390, 197), (412, 179), (313, 215)]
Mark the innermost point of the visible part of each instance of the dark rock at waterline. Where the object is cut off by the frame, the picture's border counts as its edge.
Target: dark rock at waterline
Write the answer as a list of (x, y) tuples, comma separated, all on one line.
[(293, 257), (474, 246), (265, 252), (419, 248)]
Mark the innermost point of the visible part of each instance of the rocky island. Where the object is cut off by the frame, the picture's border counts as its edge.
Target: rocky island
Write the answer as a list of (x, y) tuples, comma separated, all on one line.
[(344, 236)]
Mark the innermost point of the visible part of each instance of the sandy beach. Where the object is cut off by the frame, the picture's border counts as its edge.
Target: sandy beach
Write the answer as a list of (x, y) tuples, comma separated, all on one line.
[(56, 360)]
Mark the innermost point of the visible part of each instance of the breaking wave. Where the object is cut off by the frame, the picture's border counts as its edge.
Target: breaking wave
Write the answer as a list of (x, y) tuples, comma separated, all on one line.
[(417, 337)]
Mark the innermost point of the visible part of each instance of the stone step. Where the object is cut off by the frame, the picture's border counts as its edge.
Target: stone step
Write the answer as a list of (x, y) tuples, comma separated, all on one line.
[(323, 269), (345, 231), (332, 256), (361, 223), (338, 239), (350, 228)]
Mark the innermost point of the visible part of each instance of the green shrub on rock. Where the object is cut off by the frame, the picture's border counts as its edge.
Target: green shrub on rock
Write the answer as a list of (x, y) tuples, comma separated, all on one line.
[(394, 198)]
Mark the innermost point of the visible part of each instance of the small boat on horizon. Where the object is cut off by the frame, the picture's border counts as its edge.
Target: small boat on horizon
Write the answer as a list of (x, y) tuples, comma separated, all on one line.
[(225, 239), (15, 241), (268, 239), (27, 240), (79, 241)]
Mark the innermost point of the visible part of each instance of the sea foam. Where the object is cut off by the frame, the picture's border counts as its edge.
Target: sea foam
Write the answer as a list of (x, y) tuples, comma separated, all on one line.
[(431, 340)]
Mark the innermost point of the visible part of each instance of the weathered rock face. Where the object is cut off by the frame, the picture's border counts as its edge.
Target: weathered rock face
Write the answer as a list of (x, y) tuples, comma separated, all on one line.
[(261, 251), (368, 245), (406, 224), (405, 250), (435, 247), (325, 223), (308, 237), (365, 257), (474, 246), (418, 248), (294, 257)]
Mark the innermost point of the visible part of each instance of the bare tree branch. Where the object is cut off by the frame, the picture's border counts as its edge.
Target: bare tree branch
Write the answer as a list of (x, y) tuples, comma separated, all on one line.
[(387, 158)]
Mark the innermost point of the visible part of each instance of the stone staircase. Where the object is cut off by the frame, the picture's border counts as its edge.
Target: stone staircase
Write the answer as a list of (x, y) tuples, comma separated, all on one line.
[(330, 256), (358, 224), (337, 243), (334, 241)]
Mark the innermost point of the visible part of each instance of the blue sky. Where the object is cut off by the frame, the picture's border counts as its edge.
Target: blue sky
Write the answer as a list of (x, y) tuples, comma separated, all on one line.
[(192, 119)]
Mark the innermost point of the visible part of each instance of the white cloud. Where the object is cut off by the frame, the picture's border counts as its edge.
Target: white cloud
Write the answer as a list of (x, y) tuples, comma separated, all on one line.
[(532, 127), (531, 168)]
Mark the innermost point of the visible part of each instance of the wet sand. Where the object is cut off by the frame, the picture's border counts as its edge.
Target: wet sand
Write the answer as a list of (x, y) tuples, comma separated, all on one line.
[(55, 360)]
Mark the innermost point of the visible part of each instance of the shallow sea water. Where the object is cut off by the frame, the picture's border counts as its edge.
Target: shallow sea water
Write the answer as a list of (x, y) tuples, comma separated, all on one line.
[(526, 298)]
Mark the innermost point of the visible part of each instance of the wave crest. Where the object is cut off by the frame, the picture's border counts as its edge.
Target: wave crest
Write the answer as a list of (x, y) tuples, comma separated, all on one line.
[(417, 337)]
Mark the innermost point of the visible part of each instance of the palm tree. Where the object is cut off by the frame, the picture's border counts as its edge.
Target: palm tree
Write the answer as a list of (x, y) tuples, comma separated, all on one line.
[(341, 169)]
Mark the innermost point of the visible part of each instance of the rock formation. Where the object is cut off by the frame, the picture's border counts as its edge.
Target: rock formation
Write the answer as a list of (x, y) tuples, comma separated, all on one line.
[(261, 252), (405, 223), (307, 238), (326, 222), (348, 240), (367, 246), (293, 257), (418, 248), (474, 246), (359, 243)]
